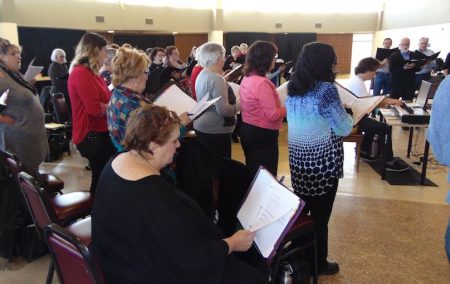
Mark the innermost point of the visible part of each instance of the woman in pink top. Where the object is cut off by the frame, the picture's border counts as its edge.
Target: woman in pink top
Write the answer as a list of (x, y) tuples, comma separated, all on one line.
[(89, 97), (262, 113)]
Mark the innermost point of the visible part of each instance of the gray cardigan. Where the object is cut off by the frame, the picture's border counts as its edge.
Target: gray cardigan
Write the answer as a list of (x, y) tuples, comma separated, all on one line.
[(215, 86)]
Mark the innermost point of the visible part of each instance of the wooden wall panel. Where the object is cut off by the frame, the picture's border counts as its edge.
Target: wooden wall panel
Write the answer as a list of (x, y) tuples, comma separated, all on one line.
[(185, 42), (342, 44)]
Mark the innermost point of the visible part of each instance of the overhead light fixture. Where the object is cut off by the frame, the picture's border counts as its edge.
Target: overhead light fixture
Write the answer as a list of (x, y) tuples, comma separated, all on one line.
[(110, 32)]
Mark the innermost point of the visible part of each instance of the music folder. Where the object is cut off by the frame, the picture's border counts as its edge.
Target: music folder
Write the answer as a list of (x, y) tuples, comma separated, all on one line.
[(178, 101), (383, 53), (234, 74), (360, 105), (269, 209)]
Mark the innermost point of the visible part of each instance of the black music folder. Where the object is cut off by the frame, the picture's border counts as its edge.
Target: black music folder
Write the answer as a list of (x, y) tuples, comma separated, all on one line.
[(383, 53)]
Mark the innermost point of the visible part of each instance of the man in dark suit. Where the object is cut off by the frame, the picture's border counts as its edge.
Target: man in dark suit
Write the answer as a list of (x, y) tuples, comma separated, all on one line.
[(403, 72)]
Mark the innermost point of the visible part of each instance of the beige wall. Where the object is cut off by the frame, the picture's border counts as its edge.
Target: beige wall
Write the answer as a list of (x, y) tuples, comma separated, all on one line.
[(79, 14), (296, 22), (400, 14)]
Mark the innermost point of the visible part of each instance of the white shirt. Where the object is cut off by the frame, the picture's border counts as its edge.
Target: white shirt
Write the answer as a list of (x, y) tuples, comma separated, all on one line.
[(356, 86)]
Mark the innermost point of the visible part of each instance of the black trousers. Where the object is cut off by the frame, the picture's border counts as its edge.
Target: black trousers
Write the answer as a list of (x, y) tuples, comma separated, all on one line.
[(370, 127), (218, 143), (237, 128), (260, 147), (98, 149), (320, 207)]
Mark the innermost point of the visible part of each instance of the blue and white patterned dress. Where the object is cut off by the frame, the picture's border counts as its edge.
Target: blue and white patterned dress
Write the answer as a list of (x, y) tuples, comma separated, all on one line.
[(316, 123)]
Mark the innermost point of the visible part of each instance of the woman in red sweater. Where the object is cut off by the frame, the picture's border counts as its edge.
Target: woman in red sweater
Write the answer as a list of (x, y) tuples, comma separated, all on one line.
[(89, 96)]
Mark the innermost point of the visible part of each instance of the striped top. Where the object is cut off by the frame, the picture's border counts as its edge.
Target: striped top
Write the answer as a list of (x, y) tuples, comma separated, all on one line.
[(89, 97)]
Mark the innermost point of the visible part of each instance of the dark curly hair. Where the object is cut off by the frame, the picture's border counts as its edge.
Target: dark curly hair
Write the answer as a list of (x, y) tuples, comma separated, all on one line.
[(149, 123), (259, 57), (315, 63)]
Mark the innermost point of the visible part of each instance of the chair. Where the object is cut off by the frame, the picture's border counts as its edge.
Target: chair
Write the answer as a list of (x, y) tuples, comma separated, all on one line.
[(234, 181), (196, 173), (63, 134), (71, 256), (356, 137), (301, 236), (62, 209), (52, 184), (60, 109)]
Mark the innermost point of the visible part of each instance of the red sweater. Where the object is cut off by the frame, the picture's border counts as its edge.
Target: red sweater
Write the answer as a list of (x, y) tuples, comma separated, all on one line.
[(89, 97), (195, 71)]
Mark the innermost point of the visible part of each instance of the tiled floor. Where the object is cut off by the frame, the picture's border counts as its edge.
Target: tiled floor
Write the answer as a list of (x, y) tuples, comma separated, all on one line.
[(378, 233)]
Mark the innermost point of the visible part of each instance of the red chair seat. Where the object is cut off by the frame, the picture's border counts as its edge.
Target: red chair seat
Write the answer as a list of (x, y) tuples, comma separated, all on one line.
[(72, 205), (82, 229), (51, 183)]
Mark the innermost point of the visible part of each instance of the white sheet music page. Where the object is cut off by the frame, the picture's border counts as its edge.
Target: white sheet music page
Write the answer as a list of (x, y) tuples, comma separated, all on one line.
[(176, 100), (267, 210)]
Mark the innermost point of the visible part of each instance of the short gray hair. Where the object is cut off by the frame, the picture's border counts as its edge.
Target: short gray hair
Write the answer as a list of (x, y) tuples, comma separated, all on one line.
[(56, 52), (209, 53)]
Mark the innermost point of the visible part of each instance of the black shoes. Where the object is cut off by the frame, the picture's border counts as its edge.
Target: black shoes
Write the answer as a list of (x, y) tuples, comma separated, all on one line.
[(366, 157), (329, 268)]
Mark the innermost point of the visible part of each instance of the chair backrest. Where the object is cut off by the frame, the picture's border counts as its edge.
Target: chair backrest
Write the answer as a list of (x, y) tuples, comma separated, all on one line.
[(60, 108), (72, 259), (44, 98), (234, 181), (38, 201), (195, 170)]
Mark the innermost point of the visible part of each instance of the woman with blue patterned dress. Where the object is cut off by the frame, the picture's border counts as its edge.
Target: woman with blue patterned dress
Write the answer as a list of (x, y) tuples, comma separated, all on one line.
[(317, 121)]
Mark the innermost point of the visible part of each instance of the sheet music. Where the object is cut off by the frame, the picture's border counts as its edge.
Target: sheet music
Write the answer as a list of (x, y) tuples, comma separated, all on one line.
[(282, 91), (360, 105), (31, 72), (4, 97), (267, 210), (178, 101)]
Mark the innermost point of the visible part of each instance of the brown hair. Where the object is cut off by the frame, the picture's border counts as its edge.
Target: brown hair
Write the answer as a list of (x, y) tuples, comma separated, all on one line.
[(149, 123), (127, 64), (155, 51), (367, 64), (259, 57), (87, 51), (6, 45), (170, 49)]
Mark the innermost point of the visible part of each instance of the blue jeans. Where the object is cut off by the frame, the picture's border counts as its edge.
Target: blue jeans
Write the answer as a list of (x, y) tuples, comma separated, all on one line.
[(382, 82)]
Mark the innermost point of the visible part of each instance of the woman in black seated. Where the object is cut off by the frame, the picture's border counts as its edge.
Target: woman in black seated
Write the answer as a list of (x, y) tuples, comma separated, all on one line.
[(58, 71), (146, 231)]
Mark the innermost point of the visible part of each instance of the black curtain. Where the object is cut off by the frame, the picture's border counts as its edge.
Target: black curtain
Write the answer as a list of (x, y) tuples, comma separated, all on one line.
[(238, 38), (145, 41), (290, 45), (40, 42)]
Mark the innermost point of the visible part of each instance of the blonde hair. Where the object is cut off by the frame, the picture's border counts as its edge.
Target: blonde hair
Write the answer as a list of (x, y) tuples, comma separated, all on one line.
[(88, 50), (127, 64)]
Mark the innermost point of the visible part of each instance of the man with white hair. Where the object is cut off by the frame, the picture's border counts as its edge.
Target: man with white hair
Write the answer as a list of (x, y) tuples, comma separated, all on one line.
[(403, 71), (425, 72)]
